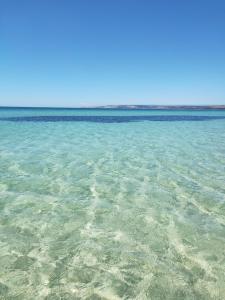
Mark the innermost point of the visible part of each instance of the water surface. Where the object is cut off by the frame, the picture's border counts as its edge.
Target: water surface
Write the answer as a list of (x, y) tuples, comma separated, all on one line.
[(110, 204)]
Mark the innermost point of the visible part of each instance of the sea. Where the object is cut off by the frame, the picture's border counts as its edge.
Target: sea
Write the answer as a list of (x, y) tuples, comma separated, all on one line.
[(112, 204)]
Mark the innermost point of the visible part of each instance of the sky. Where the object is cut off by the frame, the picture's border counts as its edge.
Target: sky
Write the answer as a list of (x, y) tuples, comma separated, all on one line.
[(74, 53)]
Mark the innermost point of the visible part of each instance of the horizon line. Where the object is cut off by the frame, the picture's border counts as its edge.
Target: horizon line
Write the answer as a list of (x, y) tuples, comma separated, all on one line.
[(124, 106)]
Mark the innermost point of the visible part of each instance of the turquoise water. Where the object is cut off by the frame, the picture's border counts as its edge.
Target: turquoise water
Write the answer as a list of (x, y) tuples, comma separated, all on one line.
[(112, 210)]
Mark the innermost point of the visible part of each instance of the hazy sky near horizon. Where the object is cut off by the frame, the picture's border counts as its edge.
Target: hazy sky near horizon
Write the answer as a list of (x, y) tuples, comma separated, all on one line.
[(96, 52)]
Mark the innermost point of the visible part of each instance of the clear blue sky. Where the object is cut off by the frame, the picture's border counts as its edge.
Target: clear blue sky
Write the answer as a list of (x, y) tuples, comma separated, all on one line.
[(80, 52)]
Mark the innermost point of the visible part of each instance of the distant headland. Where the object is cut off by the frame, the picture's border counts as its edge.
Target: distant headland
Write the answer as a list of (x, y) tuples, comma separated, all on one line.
[(163, 107)]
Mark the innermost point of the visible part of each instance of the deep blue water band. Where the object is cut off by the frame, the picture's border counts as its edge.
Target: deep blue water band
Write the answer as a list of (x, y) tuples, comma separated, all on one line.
[(111, 119)]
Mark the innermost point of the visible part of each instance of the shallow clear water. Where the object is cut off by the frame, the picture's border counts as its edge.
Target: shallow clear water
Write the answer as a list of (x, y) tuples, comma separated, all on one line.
[(98, 210)]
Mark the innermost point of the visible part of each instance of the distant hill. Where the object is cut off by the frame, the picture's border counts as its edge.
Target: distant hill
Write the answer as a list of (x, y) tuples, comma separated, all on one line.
[(158, 107)]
